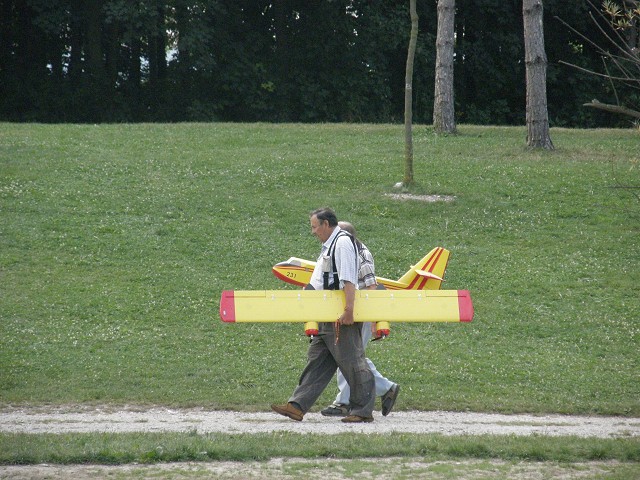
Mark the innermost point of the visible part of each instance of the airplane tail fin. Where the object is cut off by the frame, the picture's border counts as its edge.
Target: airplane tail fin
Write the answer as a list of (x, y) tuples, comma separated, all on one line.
[(428, 273)]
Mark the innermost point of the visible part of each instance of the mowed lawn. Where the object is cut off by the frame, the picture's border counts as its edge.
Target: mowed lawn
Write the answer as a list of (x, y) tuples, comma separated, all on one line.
[(117, 240)]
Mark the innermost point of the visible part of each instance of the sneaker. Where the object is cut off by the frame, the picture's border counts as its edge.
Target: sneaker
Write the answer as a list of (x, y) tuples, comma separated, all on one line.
[(336, 410), (389, 399)]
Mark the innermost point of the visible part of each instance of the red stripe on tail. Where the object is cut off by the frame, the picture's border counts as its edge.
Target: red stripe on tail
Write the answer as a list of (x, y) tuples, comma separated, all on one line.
[(429, 268)]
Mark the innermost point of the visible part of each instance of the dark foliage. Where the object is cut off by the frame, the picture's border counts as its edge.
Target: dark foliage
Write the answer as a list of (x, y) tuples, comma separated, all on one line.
[(278, 61)]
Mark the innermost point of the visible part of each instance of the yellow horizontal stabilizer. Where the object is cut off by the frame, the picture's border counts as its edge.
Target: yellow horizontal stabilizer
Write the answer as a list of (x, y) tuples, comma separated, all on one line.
[(424, 273)]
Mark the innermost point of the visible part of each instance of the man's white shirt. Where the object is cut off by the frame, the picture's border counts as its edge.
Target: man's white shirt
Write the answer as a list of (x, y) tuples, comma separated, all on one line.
[(347, 261)]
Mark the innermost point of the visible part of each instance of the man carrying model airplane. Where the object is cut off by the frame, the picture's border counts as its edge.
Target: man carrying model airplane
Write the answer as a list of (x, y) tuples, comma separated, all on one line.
[(339, 344), (385, 388)]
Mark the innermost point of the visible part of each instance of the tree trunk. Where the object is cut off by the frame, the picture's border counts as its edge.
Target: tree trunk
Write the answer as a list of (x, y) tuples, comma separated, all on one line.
[(536, 68), (75, 42), (444, 107), (282, 9), (408, 97), (157, 47), (93, 39), (135, 65)]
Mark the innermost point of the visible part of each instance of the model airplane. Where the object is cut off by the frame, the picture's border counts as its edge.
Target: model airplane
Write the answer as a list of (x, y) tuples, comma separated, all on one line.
[(427, 274), (411, 298)]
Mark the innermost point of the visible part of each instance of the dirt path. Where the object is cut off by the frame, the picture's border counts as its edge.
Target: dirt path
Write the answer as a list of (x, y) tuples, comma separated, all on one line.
[(106, 419), (75, 419)]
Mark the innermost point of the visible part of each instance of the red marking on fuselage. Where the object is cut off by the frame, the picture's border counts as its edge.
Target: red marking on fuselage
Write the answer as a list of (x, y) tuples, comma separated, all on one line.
[(287, 279)]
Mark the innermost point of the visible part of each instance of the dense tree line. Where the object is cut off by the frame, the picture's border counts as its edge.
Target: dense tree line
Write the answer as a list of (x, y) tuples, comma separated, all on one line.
[(282, 61)]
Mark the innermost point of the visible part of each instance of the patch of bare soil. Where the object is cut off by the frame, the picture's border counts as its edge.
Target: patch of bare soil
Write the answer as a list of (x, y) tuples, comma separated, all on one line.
[(422, 198), (325, 469)]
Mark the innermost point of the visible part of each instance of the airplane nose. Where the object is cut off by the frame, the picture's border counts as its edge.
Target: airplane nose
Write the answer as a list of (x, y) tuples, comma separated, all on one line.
[(294, 271), (286, 272)]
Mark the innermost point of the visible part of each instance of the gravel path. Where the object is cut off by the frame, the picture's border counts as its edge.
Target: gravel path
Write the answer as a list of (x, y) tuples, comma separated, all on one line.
[(106, 419), (72, 419)]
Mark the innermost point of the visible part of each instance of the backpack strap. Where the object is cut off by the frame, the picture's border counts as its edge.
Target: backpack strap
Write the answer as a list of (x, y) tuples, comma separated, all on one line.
[(334, 269)]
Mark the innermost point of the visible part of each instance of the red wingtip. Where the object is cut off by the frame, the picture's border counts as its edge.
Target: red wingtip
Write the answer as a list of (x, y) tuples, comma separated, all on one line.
[(465, 306), (227, 306)]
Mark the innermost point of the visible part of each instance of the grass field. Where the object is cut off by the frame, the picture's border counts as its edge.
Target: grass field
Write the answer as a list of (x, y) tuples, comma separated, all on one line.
[(116, 241)]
